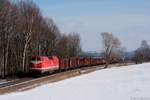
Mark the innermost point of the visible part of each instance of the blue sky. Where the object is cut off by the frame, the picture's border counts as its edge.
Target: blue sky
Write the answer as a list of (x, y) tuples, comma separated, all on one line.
[(129, 20)]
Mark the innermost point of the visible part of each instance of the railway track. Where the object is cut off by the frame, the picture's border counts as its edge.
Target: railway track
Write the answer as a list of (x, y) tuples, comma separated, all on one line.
[(13, 82), (28, 83)]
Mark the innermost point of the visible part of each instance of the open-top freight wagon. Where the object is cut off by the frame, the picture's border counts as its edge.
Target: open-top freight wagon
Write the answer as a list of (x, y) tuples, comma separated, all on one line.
[(42, 64)]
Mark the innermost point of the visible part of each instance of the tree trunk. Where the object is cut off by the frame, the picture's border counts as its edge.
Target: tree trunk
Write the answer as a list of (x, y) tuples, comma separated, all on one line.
[(107, 63), (6, 58), (6, 47), (24, 57)]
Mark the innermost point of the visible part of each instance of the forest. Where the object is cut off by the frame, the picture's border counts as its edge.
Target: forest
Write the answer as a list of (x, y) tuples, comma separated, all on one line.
[(24, 33)]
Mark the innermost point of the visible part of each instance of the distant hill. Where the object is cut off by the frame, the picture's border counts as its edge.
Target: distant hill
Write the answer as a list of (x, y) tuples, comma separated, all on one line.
[(129, 55), (91, 54)]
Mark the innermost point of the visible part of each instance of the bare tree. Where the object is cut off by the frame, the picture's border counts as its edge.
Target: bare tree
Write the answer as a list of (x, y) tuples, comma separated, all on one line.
[(142, 54), (62, 46), (48, 38), (74, 44), (123, 52), (69, 45), (8, 12), (110, 43), (28, 13), (145, 50)]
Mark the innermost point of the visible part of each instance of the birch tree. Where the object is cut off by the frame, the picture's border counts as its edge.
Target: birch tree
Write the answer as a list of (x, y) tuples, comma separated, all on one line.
[(28, 13)]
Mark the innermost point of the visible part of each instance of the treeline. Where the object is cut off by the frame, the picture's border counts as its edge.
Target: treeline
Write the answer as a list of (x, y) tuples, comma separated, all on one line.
[(113, 52), (142, 54), (24, 33)]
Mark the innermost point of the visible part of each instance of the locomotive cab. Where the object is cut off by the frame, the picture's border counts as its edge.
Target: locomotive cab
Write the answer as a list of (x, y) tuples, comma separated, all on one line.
[(42, 64)]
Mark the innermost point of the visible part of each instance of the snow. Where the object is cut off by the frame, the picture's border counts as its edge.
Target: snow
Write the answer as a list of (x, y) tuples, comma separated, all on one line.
[(118, 83)]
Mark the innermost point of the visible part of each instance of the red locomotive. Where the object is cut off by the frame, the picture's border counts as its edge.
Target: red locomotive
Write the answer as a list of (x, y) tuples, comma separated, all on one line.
[(42, 64)]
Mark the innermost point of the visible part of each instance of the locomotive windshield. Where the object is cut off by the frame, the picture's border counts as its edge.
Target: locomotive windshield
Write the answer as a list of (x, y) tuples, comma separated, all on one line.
[(36, 59)]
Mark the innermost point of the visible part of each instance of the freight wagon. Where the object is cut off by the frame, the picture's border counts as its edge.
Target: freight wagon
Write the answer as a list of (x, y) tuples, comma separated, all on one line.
[(43, 64)]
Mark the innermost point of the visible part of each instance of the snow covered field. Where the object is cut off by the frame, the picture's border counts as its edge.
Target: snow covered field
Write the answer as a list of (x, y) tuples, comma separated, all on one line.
[(125, 83)]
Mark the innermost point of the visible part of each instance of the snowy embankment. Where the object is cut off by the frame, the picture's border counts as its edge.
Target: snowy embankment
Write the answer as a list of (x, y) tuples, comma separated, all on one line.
[(119, 83)]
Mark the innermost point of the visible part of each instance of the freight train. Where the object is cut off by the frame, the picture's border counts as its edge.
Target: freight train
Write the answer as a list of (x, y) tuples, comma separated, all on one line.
[(43, 64)]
